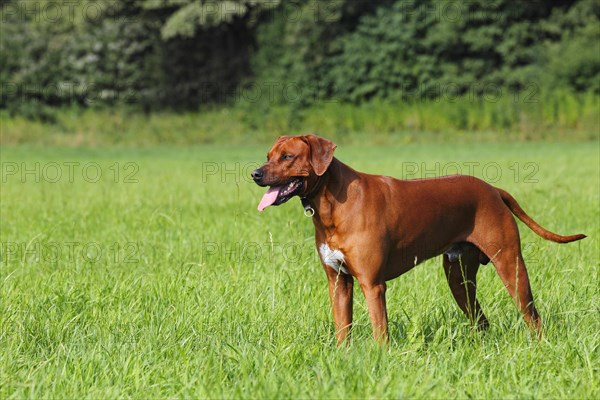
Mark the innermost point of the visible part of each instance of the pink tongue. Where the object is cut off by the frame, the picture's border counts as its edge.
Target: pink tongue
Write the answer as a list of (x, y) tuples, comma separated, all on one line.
[(269, 197)]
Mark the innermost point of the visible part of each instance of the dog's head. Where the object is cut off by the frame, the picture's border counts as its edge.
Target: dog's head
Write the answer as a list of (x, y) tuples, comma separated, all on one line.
[(293, 167)]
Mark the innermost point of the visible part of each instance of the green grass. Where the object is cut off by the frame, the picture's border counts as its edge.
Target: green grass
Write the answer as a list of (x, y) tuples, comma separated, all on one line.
[(174, 286), (559, 116)]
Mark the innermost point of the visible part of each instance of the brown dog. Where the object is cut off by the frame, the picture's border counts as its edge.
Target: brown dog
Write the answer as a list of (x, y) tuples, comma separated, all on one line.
[(375, 228)]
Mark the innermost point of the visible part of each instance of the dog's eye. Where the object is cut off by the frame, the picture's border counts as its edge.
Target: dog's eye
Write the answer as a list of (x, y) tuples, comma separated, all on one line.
[(287, 156)]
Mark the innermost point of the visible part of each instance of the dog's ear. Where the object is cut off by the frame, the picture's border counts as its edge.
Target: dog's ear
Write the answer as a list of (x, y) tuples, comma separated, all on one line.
[(321, 153)]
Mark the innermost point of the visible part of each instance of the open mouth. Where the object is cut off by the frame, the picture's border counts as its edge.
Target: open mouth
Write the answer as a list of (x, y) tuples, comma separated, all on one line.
[(279, 194)]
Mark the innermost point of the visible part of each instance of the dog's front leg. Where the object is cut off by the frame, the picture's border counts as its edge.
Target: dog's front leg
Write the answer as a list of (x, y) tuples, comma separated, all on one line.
[(375, 296), (340, 293)]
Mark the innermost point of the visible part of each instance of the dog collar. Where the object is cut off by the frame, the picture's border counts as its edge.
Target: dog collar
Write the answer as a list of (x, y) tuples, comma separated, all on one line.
[(308, 210)]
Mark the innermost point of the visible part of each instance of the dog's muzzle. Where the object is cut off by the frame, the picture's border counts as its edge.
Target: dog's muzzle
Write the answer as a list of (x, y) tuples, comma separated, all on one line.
[(278, 193)]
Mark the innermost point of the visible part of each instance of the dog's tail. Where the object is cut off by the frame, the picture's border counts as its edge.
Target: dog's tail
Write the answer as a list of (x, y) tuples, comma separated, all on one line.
[(516, 209)]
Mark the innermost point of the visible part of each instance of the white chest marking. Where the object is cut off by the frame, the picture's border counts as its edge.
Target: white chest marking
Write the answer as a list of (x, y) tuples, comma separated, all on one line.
[(333, 258)]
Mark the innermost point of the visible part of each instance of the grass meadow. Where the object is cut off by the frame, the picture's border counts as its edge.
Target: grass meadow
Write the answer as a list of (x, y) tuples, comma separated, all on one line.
[(148, 273), (527, 116)]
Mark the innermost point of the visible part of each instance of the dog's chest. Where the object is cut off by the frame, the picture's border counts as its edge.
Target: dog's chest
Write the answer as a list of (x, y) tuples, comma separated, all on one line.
[(333, 258)]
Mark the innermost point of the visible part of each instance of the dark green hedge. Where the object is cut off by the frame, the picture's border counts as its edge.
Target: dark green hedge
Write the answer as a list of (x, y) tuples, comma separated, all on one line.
[(427, 48), (301, 52)]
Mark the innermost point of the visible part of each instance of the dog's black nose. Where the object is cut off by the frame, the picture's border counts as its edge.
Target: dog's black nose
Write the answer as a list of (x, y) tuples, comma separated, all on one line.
[(257, 174)]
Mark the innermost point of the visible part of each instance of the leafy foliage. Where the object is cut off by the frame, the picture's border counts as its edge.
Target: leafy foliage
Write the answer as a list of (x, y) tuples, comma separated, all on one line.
[(192, 15), (187, 54), (415, 50)]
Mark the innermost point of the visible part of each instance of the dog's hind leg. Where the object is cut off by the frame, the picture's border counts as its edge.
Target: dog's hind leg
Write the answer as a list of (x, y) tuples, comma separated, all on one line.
[(461, 264), (511, 269), (503, 247)]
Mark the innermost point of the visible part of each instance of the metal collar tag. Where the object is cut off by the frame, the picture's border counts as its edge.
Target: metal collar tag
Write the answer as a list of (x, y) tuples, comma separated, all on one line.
[(308, 210)]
